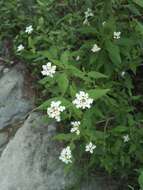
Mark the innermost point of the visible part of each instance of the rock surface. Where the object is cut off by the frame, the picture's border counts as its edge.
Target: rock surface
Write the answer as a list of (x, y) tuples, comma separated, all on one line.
[(30, 161), (13, 107)]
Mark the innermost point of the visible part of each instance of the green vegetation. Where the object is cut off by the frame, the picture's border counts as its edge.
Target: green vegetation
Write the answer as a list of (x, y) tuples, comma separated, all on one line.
[(97, 47)]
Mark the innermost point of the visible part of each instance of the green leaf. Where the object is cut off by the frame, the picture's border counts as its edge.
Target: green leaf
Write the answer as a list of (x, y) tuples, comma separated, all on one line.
[(63, 82), (31, 44), (140, 179), (45, 53), (64, 137), (139, 27), (120, 129), (97, 93), (40, 3), (87, 119), (65, 57), (51, 53), (76, 112), (114, 52), (96, 75), (75, 72), (44, 80), (139, 2), (88, 30), (72, 89)]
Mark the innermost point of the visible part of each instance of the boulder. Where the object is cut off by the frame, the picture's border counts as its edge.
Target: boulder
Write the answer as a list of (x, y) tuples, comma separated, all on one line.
[(31, 161), (13, 105)]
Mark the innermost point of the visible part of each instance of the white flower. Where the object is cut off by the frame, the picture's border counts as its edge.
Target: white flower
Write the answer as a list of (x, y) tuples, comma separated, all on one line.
[(88, 13), (20, 48), (29, 29), (126, 138), (95, 48), (123, 73), (82, 100), (86, 22), (48, 69), (117, 35), (66, 155), (103, 23), (78, 58), (75, 123), (75, 128), (90, 147), (55, 110)]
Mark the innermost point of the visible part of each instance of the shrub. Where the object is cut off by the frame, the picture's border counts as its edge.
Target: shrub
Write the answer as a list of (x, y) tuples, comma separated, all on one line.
[(86, 55)]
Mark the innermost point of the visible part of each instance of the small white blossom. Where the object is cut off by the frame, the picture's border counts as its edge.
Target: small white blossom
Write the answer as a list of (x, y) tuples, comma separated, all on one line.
[(95, 48), (48, 69), (66, 155), (88, 14), (75, 128), (78, 58), (123, 73), (90, 147), (82, 100), (103, 23), (117, 35), (20, 48), (54, 111), (29, 29), (86, 22), (126, 138), (75, 123)]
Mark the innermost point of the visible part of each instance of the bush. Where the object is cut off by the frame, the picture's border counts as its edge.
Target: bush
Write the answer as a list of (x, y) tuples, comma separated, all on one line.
[(94, 52)]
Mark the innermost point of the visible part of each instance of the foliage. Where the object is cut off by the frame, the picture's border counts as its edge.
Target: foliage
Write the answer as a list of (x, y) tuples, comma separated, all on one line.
[(64, 36)]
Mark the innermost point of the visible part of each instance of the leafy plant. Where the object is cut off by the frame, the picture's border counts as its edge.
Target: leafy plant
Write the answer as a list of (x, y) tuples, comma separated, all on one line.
[(96, 48)]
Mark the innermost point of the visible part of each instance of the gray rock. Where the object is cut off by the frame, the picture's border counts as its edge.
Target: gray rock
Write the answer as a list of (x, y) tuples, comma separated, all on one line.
[(5, 70), (30, 160), (13, 107)]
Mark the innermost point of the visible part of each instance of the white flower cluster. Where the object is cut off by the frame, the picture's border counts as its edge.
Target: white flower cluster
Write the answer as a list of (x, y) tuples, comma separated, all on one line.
[(66, 155), (88, 14), (29, 29), (95, 48), (82, 100), (48, 69), (20, 48), (126, 138), (117, 35), (54, 111), (75, 128), (90, 147)]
